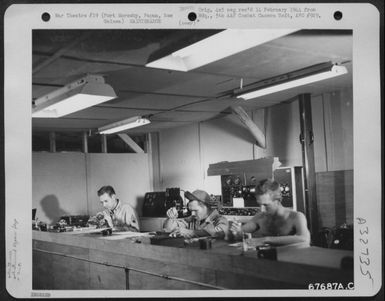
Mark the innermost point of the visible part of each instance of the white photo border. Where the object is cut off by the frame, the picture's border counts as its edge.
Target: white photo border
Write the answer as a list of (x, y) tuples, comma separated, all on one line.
[(19, 21)]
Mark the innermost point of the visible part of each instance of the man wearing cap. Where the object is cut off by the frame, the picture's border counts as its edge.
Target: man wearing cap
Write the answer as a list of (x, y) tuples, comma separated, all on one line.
[(204, 220)]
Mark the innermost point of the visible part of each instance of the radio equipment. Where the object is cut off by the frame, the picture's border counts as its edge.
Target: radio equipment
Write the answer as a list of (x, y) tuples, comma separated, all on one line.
[(237, 191), (292, 185), (76, 220), (157, 203), (289, 178), (239, 181), (239, 211), (154, 204)]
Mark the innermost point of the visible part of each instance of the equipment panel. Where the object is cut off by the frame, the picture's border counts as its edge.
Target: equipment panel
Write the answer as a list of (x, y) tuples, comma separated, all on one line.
[(292, 187), (238, 190)]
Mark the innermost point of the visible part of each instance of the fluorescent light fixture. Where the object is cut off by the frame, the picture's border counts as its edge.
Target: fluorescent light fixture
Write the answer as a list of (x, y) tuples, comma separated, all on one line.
[(78, 95), (123, 125), (216, 47), (294, 79)]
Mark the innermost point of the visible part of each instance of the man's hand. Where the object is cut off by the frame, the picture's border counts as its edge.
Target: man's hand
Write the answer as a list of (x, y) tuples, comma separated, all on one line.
[(99, 215), (108, 218), (236, 228), (172, 213), (182, 232)]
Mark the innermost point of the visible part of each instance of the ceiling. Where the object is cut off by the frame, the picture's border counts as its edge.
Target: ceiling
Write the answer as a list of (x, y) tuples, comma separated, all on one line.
[(173, 98)]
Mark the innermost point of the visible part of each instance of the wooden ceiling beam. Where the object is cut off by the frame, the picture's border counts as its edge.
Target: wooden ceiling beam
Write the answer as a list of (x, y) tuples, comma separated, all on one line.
[(163, 94), (134, 91), (251, 126), (59, 53), (133, 65), (160, 110), (131, 143)]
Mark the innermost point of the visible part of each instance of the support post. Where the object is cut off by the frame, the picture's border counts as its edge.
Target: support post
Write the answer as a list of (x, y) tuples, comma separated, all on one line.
[(52, 142), (85, 143), (127, 272), (154, 160), (307, 139), (104, 143)]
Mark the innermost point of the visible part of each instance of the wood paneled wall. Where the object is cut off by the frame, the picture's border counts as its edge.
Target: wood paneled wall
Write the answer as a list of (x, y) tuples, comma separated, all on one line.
[(335, 197), (186, 152)]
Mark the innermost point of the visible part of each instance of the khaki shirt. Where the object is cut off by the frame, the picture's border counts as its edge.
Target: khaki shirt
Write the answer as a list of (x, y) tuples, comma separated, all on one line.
[(215, 224), (124, 217)]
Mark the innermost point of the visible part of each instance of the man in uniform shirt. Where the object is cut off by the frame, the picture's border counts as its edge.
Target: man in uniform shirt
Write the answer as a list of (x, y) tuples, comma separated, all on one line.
[(276, 224), (204, 220), (119, 216)]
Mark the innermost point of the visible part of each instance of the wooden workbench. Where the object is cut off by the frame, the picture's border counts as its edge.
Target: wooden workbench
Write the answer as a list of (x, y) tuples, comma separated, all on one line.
[(63, 261)]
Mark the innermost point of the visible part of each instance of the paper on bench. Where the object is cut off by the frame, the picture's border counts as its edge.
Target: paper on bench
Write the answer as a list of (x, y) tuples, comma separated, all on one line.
[(123, 235)]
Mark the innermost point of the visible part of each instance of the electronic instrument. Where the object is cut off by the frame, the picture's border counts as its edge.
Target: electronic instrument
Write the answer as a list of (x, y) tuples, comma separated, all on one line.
[(76, 220), (157, 203), (238, 189), (164, 239)]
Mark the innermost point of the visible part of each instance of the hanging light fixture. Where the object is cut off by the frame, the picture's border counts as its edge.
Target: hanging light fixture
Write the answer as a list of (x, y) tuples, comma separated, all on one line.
[(125, 124), (78, 95), (216, 47), (290, 80)]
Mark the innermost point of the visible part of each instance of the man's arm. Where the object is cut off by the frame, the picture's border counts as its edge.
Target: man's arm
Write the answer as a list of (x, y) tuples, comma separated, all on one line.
[(131, 222), (217, 228), (125, 228), (172, 224), (250, 227), (302, 234)]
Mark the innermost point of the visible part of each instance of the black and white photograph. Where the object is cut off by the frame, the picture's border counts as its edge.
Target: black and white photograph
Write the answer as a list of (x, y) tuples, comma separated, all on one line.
[(173, 159)]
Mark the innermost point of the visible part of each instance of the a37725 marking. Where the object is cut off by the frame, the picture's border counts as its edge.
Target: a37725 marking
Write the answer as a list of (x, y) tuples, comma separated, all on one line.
[(364, 256)]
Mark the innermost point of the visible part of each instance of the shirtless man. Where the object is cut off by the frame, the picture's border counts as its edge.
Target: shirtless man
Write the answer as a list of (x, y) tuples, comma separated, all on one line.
[(276, 224)]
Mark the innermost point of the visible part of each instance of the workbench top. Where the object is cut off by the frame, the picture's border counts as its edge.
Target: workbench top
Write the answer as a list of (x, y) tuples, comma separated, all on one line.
[(222, 265)]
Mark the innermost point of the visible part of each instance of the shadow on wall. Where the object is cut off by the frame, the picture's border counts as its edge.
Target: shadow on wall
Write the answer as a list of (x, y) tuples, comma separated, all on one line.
[(139, 205), (51, 207)]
